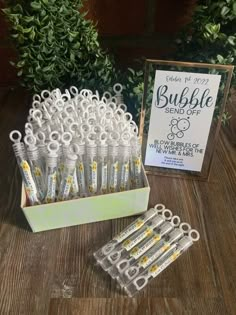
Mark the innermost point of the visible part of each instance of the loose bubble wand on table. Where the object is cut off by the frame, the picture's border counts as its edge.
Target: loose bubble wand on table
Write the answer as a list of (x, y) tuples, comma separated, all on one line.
[(145, 248), (122, 249), (161, 263), (81, 135)]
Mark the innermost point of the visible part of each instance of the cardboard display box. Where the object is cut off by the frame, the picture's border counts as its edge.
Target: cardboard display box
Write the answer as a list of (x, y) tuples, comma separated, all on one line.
[(85, 210)]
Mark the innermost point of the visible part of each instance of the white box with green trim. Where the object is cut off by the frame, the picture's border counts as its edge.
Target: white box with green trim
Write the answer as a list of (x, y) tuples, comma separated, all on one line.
[(86, 210)]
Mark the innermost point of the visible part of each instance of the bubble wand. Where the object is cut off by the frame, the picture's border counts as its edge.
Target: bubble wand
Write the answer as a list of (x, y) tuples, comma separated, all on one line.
[(51, 171), (102, 163), (21, 158), (36, 164)]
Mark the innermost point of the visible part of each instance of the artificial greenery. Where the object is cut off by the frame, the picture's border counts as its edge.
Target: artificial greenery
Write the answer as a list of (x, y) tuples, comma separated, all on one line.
[(57, 46), (211, 36)]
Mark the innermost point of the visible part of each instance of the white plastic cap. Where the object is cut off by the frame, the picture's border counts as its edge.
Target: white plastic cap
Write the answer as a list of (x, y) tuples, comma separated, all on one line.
[(30, 141), (66, 138), (15, 136), (117, 88)]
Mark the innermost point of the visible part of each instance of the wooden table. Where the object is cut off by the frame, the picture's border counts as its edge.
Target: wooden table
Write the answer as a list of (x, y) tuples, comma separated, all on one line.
[(53, 272)]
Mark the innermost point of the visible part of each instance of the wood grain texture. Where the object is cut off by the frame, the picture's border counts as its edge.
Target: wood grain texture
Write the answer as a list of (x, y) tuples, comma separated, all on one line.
[(54, 272)]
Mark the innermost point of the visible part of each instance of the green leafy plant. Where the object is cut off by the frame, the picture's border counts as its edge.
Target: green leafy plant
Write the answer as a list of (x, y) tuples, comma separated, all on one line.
[(211, 36), (57, 46)]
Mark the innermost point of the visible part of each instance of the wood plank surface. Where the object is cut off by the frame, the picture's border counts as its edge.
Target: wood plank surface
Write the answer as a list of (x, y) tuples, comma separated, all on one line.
[(54, 272)]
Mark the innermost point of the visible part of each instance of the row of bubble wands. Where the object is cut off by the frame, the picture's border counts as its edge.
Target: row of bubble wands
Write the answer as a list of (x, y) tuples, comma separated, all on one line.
[(77, 144)]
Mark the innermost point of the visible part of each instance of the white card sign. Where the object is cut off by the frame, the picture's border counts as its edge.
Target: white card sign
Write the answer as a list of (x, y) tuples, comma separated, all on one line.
[(182, 109)]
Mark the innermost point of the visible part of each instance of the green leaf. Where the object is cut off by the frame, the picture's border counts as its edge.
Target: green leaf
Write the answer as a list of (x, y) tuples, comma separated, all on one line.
[(7, 11), (28, 19), (35, 5), (231, 40), (208, 27), (18, 8), (20, 64), (234, 8), (19, 73), (216, 28), (48, 68), (220, 58), (28, 30), (14, 35), (131, 70), (72, 57), (32, 35), (224, 11), (76, 45)]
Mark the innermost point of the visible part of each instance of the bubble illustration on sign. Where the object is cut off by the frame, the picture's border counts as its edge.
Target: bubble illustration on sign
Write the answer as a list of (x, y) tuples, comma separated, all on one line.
[(178, 127)]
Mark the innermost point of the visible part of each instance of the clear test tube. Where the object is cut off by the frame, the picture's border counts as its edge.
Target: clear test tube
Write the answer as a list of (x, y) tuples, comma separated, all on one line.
[(66, 139), (152, 254), (51, 171), (55, 136), (131, 257), (21, 158), (81, 162), (161, 263), (124, 162), (121, 250), (92, 163), (130, 229), (136, 161), (102, 163), (42, 147), (67, 177), (74, 191), (113, 158), (36, 163)]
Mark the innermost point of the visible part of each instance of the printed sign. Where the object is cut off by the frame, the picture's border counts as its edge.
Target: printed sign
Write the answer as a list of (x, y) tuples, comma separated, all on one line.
[(183, 104)]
